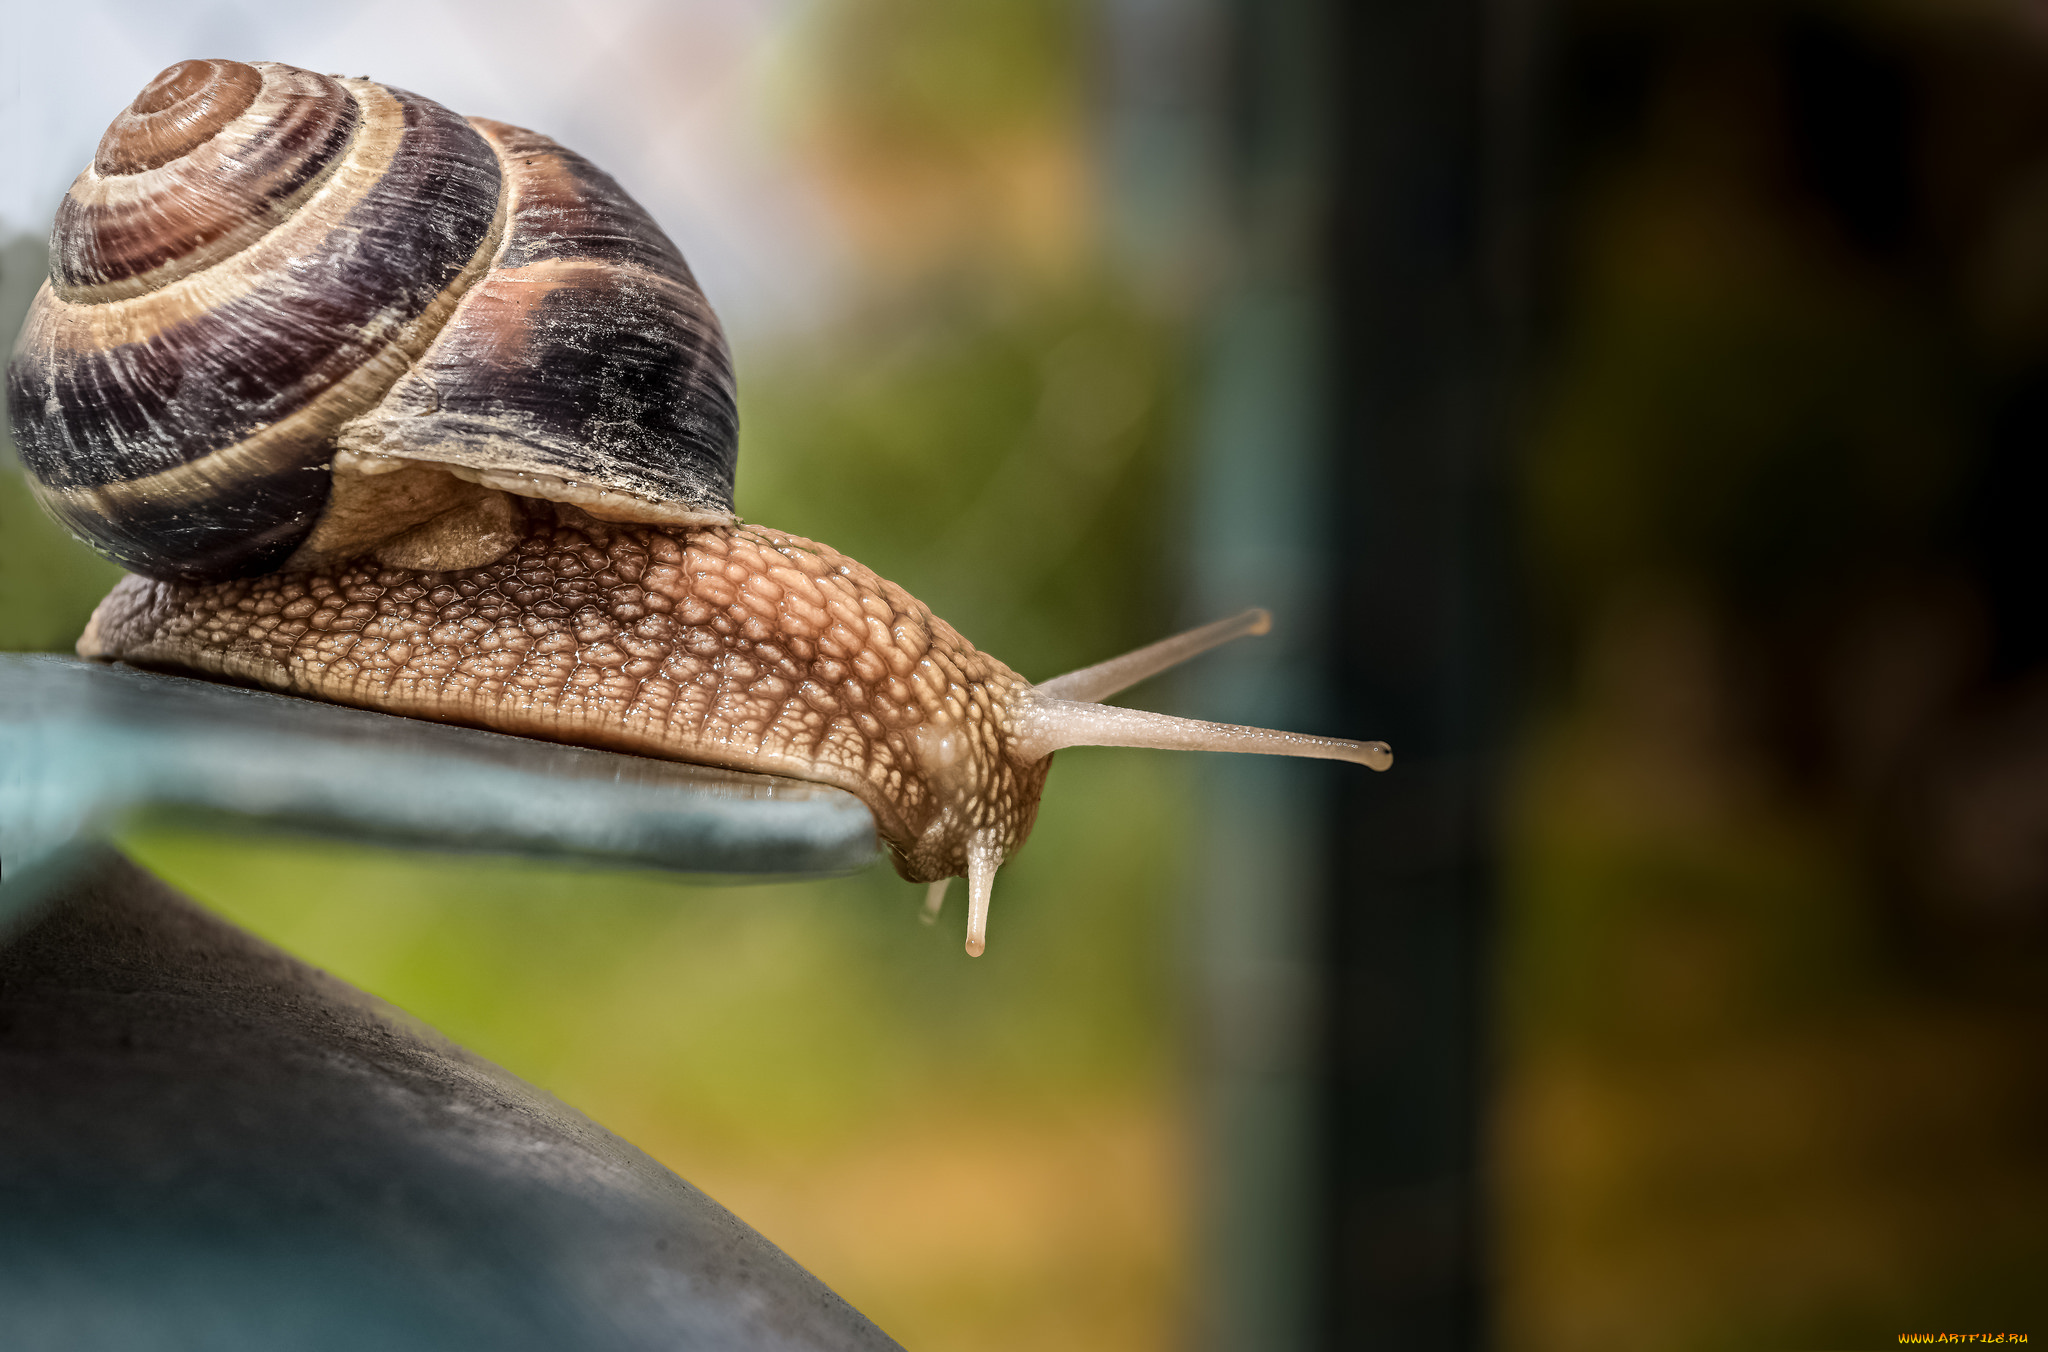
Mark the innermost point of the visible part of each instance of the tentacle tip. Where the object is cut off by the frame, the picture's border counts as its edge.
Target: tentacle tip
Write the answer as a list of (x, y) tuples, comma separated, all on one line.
[(1379, 756), (1261, 622), (975, 944)]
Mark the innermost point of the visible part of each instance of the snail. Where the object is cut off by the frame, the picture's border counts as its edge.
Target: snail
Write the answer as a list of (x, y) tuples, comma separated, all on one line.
[(384, 406)]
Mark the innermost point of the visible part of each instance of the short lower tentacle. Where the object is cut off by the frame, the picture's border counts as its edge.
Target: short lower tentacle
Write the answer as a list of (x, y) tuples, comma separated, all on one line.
[(984, 857)]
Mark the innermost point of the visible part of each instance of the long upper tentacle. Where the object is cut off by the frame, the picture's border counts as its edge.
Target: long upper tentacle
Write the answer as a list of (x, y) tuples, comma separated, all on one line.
[(1104, 679), (1065, 712), (1046, 725)]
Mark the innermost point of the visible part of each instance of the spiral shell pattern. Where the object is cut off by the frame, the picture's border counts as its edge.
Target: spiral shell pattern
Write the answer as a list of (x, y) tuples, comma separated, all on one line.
[(264, 266), (585, 355)]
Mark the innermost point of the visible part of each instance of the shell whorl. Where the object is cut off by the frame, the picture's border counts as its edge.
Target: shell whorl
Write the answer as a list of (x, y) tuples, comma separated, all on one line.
[(586, 354), (178, 111), (273, 287)]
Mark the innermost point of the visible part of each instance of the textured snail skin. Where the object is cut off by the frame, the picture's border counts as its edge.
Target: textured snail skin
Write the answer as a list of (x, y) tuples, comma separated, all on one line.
[(735, 646)]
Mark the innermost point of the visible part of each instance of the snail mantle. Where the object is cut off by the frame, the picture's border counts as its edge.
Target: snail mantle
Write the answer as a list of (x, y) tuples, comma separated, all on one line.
[(205, 1142)]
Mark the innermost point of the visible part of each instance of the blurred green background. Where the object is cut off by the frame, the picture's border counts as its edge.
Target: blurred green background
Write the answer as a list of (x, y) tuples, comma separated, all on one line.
[(1771, 1040)]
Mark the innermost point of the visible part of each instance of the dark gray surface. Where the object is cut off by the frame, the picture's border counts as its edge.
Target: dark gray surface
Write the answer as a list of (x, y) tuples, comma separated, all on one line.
[(206, 1144), (84, 745)]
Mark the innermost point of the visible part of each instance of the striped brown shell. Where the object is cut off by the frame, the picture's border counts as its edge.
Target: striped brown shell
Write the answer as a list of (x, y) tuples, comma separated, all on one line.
[(293, 317)]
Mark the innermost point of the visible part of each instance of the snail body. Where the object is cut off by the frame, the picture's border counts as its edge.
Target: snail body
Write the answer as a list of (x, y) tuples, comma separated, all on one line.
[(476, 465)]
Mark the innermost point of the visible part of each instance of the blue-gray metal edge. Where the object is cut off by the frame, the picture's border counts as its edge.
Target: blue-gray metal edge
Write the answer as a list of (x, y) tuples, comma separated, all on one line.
[(85, 747)]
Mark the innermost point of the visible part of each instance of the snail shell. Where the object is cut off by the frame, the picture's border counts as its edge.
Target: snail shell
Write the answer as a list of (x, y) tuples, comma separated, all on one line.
[(426, 415), (291, 317)]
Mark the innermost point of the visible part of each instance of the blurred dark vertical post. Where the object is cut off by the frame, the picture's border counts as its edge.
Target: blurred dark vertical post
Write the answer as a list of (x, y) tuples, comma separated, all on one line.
[(1426, 108), (1352, 415)]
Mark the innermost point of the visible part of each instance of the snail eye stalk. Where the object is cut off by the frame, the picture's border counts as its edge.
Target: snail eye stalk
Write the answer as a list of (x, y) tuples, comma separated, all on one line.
[(1066, 710), (1104, 679), (1050, 725)]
